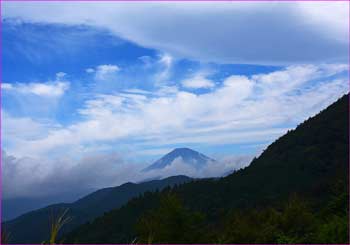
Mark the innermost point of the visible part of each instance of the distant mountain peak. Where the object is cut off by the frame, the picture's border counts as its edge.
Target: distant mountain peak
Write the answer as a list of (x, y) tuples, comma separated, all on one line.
[(187, 155)]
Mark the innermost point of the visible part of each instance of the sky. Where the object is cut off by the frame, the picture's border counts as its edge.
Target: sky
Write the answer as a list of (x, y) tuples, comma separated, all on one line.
[(94, 92)]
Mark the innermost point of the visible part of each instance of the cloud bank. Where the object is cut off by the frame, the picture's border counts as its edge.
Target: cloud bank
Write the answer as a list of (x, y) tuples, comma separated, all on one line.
[(241, 109), (35, 178)]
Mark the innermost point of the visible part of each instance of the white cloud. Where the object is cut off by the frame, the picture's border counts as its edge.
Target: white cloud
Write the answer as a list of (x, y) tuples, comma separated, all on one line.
[(6, 86), (90, 70), (147, 60), (42, 89), (137, 91), (104, 72), (165, 61), (240, 32), (60, 75), (107, 68), (48, 89), (198, 81)]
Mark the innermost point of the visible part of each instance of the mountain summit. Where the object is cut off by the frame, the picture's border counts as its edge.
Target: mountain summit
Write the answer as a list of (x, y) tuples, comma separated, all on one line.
[(187, 155)]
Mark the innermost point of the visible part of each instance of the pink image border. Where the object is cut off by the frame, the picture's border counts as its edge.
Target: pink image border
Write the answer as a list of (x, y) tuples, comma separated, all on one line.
[(164, 1)]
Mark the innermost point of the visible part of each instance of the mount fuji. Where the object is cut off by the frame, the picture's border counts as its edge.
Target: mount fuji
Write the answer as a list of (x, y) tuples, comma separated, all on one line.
[(187, 155)]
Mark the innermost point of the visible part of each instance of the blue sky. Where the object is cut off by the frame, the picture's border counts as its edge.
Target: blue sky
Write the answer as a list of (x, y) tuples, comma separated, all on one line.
[(110, 87)]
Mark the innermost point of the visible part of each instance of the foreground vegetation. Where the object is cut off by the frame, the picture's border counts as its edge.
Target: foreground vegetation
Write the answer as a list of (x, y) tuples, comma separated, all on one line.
[(294, 221)]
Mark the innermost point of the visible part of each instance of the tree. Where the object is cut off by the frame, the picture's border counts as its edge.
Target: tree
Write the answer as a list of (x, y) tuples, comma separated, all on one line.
[(171, 222)]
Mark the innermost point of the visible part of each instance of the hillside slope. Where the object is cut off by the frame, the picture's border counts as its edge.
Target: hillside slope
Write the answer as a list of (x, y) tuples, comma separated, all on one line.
[(81, 211), (310, 161)]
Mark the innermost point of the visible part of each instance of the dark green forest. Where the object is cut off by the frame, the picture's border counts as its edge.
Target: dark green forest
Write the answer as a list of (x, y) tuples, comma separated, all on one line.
[(296, 191)]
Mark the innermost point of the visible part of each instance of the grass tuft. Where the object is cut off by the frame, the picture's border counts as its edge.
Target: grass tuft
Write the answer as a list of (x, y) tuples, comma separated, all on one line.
[(56, 224), (5, 237)]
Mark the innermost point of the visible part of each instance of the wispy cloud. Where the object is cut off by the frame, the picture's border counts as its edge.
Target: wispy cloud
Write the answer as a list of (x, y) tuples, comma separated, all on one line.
[(53, 89), (165, 61), (105, 72), (198, 80)]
